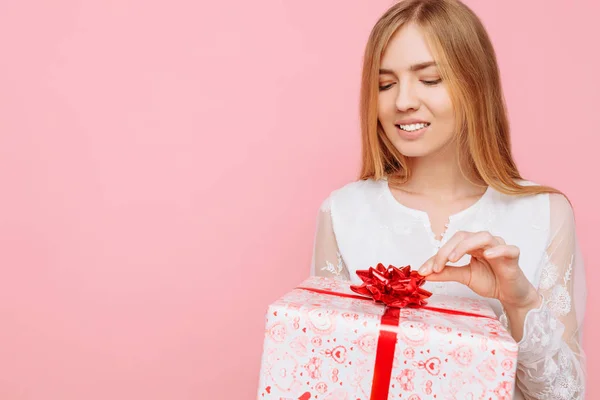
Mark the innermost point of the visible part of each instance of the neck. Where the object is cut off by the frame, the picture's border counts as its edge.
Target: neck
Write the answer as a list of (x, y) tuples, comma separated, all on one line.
[(438, 175)]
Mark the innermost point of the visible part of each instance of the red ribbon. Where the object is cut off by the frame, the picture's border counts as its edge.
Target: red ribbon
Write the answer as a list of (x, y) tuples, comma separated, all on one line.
[(396, 287), (384, 358), (429, 308)]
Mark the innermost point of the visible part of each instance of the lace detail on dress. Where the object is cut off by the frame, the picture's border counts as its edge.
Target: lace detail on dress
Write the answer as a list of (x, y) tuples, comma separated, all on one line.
[(549, 274), (541, 376), (326, 249), (335, 270), (546, 378), (566, 386), (551, 361), (560, 298), (538, 329)]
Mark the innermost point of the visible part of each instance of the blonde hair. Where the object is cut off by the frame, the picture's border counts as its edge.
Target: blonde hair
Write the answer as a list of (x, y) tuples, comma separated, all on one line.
[(467, 63)]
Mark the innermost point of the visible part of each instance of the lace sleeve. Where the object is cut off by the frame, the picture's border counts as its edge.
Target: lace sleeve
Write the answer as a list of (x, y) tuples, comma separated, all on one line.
[(551, 359), (327, 260)]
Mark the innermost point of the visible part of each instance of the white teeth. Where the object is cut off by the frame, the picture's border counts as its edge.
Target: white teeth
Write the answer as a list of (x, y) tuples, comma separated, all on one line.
[(413, 127)]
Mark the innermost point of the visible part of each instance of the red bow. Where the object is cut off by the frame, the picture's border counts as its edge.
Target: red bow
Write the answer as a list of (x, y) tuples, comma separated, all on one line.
[(396, 287)]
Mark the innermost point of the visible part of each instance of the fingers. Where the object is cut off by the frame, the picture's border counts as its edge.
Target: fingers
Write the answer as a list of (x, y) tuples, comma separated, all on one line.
[(437, 261), (478, 241), (460, 244), (452, 274), (427, 267), (507, 251)]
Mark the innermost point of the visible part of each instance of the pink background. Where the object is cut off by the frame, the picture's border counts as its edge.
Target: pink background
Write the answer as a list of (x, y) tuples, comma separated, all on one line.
[(162, 163)]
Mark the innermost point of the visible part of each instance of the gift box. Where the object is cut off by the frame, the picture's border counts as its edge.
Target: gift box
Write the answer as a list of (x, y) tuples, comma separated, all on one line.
[(325, 341)]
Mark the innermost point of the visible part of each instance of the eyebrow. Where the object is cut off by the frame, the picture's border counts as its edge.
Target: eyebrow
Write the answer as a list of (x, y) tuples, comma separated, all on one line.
[(413, 68)]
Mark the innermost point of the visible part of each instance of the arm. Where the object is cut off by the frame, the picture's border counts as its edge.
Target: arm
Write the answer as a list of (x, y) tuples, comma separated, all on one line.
[(327, 260), (551, 362)]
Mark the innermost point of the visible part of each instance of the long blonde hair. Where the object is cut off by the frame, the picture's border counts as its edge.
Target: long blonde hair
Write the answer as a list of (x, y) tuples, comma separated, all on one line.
[(467, 63)]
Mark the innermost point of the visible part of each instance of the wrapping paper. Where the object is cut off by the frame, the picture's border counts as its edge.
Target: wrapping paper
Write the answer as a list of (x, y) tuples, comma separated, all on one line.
[(328, 345)]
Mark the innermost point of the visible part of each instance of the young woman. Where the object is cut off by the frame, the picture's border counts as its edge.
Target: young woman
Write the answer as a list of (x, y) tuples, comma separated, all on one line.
[(440, 191)]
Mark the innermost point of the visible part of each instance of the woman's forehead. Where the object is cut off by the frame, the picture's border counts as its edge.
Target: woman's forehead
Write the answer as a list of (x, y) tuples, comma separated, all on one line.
[(407, 50)]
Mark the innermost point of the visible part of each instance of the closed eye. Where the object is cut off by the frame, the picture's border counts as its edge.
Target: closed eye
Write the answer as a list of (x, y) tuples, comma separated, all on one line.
[(431, 83), (428, 83)]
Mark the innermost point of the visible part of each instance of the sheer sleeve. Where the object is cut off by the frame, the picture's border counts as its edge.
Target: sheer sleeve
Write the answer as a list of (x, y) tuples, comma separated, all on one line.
[(551, 363), (326, 259)]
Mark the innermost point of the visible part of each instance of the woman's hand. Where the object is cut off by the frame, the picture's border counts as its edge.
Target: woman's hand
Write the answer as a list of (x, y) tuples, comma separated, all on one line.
[(493, 271)]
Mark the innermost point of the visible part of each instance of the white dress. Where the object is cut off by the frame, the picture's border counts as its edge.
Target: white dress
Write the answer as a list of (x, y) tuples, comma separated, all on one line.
[(362, 224)]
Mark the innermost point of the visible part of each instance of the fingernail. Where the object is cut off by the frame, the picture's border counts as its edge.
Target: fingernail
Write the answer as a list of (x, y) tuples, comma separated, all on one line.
[(425, 269), (490, 253)]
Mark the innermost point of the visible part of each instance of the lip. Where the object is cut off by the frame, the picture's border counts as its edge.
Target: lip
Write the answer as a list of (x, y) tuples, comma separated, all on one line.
[(411, 135), (409, 121)]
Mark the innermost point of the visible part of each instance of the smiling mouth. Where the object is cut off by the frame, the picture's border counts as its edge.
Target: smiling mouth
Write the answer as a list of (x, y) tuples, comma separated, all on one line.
[(413, 127)]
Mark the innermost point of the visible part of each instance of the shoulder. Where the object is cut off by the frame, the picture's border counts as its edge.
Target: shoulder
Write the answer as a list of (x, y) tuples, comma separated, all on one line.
[(543, 205), (555, 210), (561, 211), (353, 193), (538, 201), (515, 200), (554, 200)]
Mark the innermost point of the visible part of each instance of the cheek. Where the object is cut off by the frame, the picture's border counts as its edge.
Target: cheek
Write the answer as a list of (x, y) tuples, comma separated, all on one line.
[(440, 105), (386, 106)]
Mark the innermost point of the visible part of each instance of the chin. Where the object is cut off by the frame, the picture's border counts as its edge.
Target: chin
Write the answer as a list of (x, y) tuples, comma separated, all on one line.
[(414, 149), (421, 147)]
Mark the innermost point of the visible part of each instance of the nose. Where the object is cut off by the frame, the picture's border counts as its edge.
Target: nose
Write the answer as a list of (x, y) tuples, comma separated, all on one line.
[(407, 98)]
